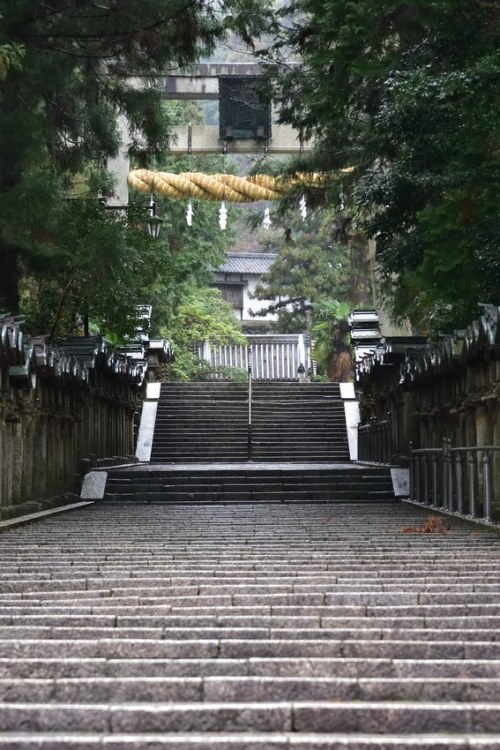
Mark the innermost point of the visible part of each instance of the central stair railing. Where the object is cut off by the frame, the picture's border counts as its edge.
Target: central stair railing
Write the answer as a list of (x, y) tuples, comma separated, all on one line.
[(250, 368)]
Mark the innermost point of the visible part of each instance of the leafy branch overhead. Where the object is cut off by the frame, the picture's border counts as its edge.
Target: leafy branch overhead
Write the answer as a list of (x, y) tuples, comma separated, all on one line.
[(68, 75), (408, 95), (304, 272)]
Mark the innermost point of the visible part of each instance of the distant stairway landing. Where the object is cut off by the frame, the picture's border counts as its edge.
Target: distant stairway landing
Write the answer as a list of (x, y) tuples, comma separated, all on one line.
[(292, 422), (250, 483)]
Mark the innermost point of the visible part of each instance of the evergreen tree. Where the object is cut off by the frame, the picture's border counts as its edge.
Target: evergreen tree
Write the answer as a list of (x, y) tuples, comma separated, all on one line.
[(59, 106), (407, 94), (312, 264)]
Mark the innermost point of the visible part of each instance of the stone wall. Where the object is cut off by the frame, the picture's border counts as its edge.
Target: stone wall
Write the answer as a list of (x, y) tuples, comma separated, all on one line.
[(63, 409)]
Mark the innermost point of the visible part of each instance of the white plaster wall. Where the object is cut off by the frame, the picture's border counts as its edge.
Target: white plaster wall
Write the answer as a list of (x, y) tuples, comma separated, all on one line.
[(146, 430), (351, 409)]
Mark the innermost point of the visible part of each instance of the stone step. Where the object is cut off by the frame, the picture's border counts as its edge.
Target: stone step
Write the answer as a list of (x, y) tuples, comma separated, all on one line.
[(402, 717), (196, 432), (258, 488), (289, 472), (142, 606), (200, 578), (299, 412), (167, 427), (231, 648), (240, 456), (201, 422), (132, 617), (244, 626), (345, 595), (231, 418), (255, 594), (266, 667), (279, 497), (303, 636), (208, 446), (239, 741), (246, 689), (262, 450), (202, 412), (192, 476), (300, 455), (238, 452)]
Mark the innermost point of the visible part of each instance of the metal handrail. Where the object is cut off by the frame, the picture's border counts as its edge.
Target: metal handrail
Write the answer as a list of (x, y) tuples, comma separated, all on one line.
[(455, 479), (250, 441), (375, 441)]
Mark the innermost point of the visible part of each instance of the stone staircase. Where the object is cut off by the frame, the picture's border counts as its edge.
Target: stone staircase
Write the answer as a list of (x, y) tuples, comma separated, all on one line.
[(201, 422), (249, 626), (298, 422), (200, 448), (250, 483)]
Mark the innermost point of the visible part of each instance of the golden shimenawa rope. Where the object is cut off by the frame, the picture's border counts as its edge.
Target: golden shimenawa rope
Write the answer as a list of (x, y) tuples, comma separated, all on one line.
[(217, 187)]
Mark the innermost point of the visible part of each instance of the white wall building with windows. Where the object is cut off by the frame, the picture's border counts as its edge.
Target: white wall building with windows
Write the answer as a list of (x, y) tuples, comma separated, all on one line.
[(237, 278)]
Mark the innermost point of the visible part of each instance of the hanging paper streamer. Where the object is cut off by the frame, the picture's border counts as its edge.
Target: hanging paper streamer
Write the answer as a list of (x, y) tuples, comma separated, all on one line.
[(189, 214), (266, 221), (341, 199), (222, 215), (303, 207)]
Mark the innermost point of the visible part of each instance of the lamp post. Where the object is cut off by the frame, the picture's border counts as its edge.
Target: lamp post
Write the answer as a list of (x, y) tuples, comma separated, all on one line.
[(153, 223), (150, 225)]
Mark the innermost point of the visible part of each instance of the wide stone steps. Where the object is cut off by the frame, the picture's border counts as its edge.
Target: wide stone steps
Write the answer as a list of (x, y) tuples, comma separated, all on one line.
[(198, 422), (244, 484), (246, 689), (376, 669), (134, 626), (274, 716)]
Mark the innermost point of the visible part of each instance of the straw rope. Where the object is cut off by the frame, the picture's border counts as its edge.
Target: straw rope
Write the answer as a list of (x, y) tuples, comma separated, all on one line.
[(217, 187)]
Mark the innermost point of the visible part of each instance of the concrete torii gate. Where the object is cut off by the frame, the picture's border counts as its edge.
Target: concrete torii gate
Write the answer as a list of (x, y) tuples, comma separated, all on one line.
[(198, 83), (203, 82)]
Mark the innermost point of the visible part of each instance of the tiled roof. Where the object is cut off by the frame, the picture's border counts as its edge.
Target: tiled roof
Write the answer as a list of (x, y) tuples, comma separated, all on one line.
[(247, 263)]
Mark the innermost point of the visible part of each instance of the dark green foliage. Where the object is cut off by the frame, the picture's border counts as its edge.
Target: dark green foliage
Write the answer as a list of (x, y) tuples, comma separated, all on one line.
[(407, 93), (331, 336), (201, 315), (89, 264), (65, 71), (311, 265)]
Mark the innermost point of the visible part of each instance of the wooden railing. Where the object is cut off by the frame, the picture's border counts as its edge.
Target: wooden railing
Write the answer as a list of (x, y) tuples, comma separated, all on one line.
[(273, 357)]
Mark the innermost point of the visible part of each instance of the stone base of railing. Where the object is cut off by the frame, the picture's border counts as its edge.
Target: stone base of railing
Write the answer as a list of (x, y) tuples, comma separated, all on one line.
[(454, 514), (35, 506)]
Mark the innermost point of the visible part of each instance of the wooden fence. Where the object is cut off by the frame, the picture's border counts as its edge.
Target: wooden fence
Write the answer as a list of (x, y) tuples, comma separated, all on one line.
[(272, 357)]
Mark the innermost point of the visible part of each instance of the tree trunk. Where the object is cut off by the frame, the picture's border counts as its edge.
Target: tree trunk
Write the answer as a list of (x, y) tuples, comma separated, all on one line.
[(9, 280), (9, 271)]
